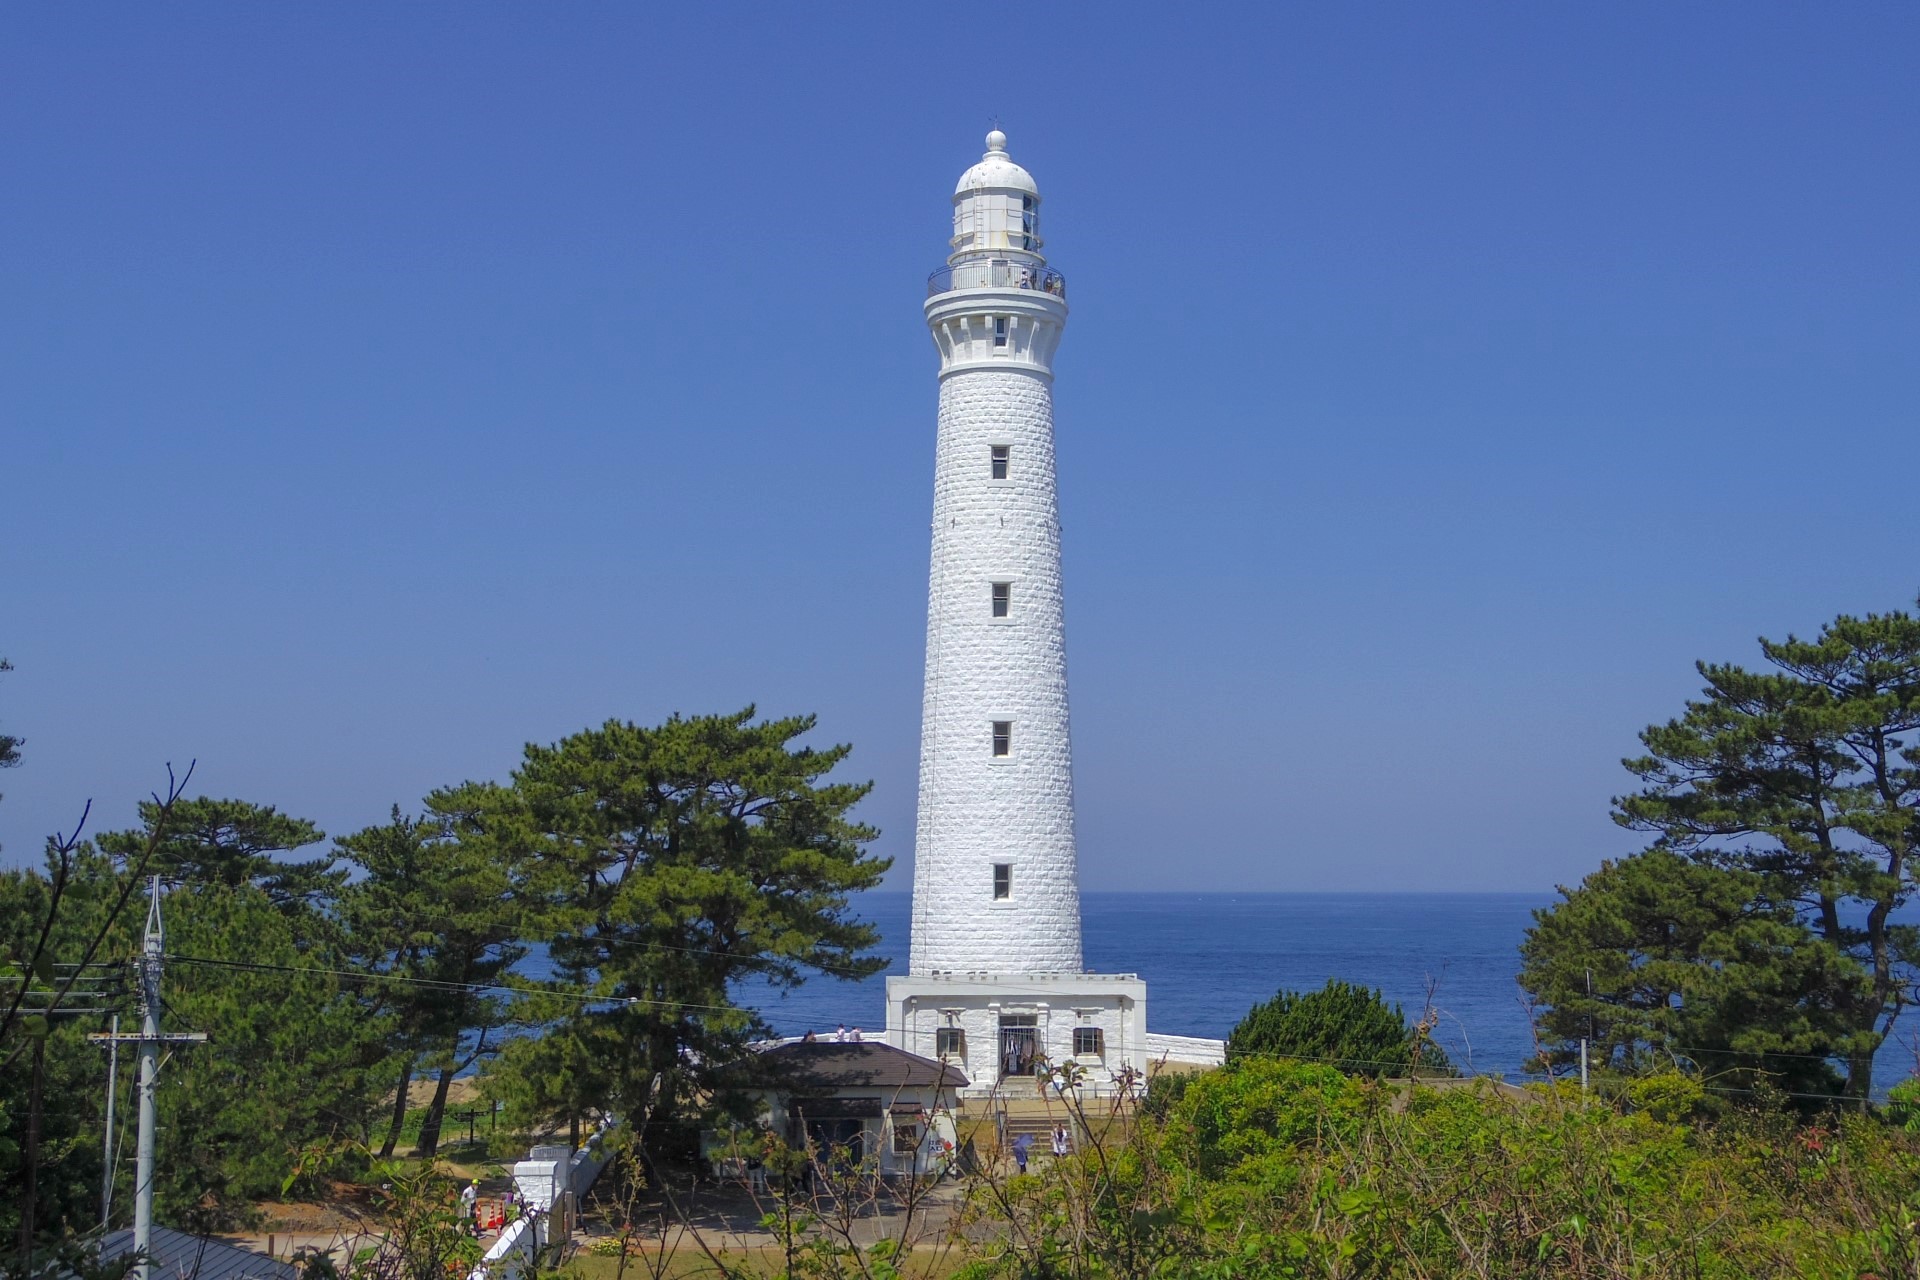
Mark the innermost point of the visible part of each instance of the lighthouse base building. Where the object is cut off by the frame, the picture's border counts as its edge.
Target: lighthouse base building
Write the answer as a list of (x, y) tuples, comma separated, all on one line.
[(1011, 1033), (996, 985)]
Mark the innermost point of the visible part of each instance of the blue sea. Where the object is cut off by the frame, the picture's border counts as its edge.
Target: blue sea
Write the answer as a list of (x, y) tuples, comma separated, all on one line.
[(1208, 958)]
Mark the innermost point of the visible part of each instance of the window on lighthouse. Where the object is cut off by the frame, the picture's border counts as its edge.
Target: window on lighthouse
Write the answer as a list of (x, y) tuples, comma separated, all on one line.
[(999, 331), (1002, 880), (998, 457), (1002, 599), (1003, 737)]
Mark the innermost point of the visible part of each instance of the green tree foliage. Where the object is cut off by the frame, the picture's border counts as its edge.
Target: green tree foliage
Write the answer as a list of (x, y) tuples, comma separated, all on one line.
[(1269, 1169), (1351, 1027), (288, 1062), (9, 745), (670, 863), (661, 866), (231, 843), (1806, 775), (438, 903), (67, 1179), (56, 960), (1657, 959), (292, 1056)]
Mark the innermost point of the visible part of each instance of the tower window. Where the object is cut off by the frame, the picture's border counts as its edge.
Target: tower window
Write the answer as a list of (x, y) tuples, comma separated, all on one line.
[(1003, 737), (999, 331), (1002, 881), (1088, 1042), (1002, 599), (998, 456), (950, 1042)]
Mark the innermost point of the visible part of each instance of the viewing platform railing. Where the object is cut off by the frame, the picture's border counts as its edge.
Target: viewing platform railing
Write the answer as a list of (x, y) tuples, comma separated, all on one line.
[(996, 273)]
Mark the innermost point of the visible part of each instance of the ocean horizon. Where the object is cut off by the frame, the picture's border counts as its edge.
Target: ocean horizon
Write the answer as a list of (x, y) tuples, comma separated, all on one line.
[(1208, 958)]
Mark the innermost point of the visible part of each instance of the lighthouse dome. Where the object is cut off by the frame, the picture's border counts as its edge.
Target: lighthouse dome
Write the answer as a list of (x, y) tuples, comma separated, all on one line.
[(996, 207), (996, 172)]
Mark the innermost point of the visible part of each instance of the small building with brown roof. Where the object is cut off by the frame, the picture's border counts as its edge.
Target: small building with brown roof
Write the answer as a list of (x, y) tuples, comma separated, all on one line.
[(862, 1102)]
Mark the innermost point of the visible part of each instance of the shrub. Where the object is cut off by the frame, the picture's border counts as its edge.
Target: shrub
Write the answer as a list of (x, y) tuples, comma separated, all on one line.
[(1348, 1027), (1275, 1170), (1903, 1104), (1668, 1096)]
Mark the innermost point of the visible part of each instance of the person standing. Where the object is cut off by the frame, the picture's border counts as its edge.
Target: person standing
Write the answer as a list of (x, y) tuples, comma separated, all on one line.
[(1021, 1146), (1061, 1143), (470, 1204)]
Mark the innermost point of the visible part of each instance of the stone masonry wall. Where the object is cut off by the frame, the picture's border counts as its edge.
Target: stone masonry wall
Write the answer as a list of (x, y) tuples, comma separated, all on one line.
[(976, 810)]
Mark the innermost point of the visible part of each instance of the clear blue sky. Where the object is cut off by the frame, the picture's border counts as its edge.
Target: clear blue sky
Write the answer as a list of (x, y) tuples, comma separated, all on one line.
[(382, 387)]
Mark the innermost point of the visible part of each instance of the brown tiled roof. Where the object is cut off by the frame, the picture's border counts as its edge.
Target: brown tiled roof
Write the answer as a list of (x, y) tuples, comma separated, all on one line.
[(868, 1064)]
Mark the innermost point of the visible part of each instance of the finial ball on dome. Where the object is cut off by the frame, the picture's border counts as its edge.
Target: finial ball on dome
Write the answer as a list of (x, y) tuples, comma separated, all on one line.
[(996, 141)]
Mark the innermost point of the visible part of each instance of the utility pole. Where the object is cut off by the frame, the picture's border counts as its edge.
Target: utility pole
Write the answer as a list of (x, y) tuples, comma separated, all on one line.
[(31, 1199), (1588, 1036), (50, 992), (106, 1155), (150, 964), (150, 1040)]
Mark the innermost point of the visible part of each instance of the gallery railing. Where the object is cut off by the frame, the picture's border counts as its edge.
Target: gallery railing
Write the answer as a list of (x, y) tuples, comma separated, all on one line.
[(996, 273)]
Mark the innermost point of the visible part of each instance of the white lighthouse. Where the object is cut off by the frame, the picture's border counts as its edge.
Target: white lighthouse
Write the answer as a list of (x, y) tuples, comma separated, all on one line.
[(996, 981)]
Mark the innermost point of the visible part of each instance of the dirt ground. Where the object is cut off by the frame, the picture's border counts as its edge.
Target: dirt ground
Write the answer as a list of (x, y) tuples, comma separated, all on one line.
[(420, 1093)]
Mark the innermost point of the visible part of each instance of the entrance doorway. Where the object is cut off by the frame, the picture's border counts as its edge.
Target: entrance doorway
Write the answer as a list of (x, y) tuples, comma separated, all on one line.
[(838, 1143), (1019, 1045)]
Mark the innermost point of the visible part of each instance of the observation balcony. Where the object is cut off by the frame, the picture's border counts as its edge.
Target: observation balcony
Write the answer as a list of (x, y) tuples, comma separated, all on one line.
[(996, 273)]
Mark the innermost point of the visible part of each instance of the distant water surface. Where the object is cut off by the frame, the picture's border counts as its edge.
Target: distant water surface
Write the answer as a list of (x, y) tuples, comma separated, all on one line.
[(1208, 958)]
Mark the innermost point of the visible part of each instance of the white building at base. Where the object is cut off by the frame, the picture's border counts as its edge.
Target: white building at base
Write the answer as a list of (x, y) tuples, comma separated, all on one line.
[(996, 984)]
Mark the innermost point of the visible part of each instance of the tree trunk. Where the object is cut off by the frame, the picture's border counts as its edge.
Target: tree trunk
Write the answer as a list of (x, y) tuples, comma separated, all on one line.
[(399, 1109), (1859, 1076), (430, 1128)]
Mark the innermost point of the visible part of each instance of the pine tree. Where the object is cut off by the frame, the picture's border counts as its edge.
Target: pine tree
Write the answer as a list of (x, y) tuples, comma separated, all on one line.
[(438, 904), (1808, 776), (669, 863), (1657, 959)]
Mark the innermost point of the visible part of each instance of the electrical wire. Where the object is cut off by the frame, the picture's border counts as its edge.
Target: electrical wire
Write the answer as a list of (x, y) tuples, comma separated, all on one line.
[(449, 988), (587, 997), (590, 998), (861, 974)]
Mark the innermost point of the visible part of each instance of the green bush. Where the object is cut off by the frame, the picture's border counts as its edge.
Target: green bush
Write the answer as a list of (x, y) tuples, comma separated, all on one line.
[(1903, 1104), (1281, 1170), (1668, 1095), (1348, 1027)]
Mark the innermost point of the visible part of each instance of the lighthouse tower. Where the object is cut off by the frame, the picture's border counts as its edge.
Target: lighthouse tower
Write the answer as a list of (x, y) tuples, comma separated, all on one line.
[(995, 885), (996, 981)]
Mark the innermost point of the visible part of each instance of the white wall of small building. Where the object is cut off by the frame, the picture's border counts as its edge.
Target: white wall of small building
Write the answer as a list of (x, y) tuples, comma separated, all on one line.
[(931, 1110), (1116, 1004)]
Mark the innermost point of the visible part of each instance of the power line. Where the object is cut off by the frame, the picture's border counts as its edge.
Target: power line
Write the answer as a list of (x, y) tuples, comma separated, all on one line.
[(450, 988)]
